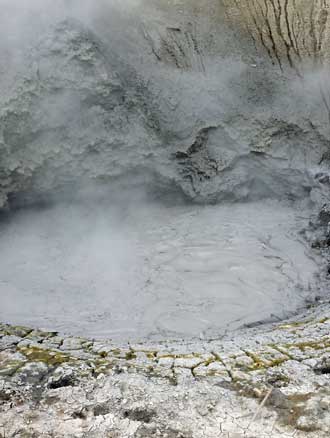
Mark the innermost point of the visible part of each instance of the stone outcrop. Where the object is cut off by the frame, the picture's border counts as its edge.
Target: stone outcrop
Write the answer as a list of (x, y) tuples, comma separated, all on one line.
[(91, 105), (290, 31), (76, 116), (269, 382)]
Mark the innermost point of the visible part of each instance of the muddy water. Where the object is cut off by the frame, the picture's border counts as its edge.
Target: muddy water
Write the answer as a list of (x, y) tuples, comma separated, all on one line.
[(153, 271)]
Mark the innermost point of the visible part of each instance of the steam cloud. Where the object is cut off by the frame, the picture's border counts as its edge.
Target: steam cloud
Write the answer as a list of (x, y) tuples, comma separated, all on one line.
[(93, 248)]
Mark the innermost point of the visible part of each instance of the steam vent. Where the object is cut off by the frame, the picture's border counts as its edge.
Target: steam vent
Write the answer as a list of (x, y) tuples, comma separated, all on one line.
[(164, 218)]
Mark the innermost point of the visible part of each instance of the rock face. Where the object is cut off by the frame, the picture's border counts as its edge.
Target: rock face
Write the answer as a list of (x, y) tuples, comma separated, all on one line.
[(76, 115), (290, 31), (180, 99)]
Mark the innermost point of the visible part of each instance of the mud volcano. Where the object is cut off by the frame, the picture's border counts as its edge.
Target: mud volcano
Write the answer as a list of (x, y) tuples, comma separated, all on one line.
[(164, 218), (159, 164)]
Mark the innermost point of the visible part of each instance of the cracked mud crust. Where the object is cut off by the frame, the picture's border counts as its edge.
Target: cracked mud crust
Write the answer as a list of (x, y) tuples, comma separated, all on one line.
[(266, 382)]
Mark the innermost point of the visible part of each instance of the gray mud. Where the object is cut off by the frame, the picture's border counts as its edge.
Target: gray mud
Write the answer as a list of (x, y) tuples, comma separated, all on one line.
[(177, 102), (148, 270), (164, 175)]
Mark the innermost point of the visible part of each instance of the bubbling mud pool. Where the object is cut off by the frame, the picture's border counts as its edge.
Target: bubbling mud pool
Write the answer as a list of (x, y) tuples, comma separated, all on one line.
[(154, 271)]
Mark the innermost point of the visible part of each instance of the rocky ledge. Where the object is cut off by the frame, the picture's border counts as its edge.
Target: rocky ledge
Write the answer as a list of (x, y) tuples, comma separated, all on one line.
[(265, 382)]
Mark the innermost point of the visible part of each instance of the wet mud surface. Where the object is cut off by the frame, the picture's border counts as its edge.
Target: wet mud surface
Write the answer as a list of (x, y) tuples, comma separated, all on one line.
[(151, 271)]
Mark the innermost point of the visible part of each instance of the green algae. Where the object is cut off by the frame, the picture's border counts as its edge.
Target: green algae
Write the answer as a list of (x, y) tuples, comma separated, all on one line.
[(321, 344), (130, 355), (323, 320), (258, 362), (49, 357), (150, 354), (295, 324), (103, 353), (102, 366), (180, 356)]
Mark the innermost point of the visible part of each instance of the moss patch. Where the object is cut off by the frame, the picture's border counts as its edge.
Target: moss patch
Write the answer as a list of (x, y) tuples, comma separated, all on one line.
[(49, 357)]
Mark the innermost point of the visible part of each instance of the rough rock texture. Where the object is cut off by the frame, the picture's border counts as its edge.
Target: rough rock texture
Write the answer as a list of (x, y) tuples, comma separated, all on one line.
[(265, 382), (76, 116), (179, 99)]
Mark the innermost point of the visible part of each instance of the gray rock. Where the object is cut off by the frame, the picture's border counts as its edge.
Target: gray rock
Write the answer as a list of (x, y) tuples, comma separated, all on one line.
[(9, 341), (307, 424), (72, 344), (171, 115), (62, 377), (323, 365), (32, 373)]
